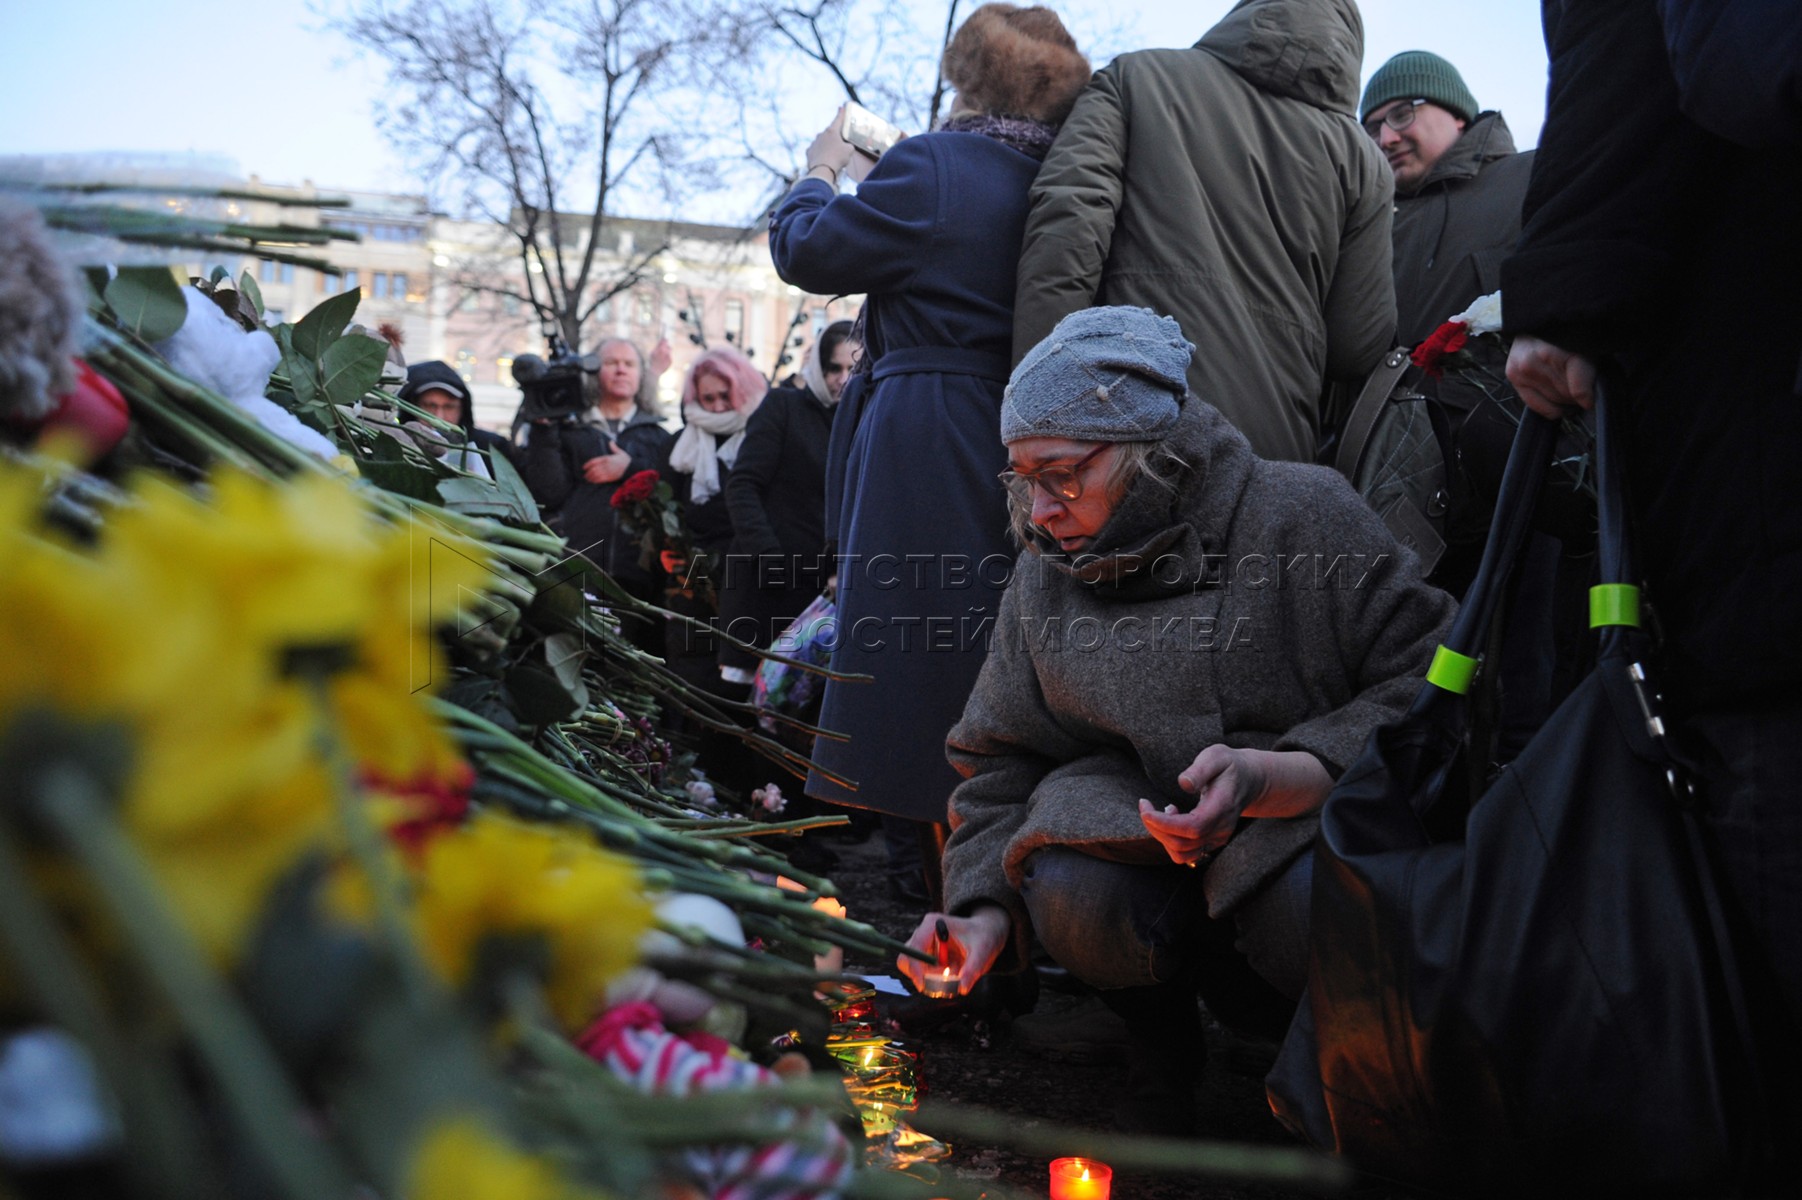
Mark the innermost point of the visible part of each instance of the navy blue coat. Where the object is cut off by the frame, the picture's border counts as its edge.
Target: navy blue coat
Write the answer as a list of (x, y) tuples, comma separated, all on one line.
[(919, 519)]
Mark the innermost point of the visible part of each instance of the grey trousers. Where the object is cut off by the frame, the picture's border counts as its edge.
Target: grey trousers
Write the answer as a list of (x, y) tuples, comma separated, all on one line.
[(1120, 925)]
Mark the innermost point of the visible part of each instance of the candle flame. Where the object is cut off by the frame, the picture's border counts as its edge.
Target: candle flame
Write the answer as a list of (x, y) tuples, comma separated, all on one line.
[(1085, 1173), (869, 1056)]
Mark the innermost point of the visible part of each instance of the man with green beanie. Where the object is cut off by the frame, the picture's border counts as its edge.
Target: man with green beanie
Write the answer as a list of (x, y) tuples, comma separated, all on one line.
[(1458, 187)]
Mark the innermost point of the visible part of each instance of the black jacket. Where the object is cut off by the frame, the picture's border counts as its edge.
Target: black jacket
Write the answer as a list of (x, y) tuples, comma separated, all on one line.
[(1673, 254), (1453, 231), (552, 466), (777, 497)]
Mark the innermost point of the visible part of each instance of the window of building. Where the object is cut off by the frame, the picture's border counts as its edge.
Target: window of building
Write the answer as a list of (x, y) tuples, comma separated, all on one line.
[(266, 270), (735, 322), (466, 365), (510, 305), (349, 281), (647, 309), (378, 285), (399, 285)]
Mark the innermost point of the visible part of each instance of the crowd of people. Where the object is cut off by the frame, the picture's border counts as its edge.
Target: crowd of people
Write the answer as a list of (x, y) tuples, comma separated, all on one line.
[(1113, 322)]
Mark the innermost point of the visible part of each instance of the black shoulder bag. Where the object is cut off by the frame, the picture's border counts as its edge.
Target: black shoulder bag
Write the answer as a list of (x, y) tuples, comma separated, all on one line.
[(1549, 998)]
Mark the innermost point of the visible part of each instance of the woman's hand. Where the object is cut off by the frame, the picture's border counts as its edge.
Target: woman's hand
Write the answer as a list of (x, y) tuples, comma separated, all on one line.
[(607, 468), (975, 943), (1228, 784), (1224, 781), (830, 149)]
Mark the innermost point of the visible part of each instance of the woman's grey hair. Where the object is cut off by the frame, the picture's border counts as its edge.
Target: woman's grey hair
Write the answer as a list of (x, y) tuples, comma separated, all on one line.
[(1153, 461)]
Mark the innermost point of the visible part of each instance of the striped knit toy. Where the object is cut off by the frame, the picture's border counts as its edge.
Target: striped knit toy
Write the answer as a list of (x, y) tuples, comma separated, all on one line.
[(812, 1163)]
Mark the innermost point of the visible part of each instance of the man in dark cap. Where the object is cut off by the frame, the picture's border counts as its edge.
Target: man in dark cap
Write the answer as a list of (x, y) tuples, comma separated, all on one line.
[(1458, 187)]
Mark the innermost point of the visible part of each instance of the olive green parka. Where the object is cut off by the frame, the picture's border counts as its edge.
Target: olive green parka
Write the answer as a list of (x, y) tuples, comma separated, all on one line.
[(1228, 186)]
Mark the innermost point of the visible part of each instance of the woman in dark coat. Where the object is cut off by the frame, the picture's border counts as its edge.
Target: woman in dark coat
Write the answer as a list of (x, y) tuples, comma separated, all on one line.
[(723, 390), (777, 497), (919, 519), (719, 396)]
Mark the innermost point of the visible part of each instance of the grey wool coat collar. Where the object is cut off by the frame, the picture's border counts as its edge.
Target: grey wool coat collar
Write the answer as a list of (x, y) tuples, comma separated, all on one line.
[(1260, 604)]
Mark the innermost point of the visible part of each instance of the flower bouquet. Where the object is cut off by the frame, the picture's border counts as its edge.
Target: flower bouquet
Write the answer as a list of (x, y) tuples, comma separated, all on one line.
[(1470, 346), (648, 510)]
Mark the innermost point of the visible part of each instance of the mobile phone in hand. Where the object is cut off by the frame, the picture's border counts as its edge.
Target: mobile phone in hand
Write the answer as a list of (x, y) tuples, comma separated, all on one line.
[(867, 132)]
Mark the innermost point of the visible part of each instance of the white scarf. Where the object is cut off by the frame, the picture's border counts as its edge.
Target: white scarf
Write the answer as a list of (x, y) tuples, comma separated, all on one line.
[(698, 451)]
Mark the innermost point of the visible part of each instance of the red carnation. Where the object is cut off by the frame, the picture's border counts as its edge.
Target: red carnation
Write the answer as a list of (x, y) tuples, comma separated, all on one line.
[(636, 488), (1448, 339), (425, 806)]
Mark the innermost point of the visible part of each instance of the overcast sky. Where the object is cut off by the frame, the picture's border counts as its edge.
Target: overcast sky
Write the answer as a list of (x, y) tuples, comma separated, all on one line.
[(260, 85)]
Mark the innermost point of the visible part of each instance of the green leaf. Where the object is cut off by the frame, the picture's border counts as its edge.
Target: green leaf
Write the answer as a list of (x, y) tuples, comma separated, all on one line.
[(476, 497), (506, 497), (565, 652), (247, 287), (325, 324), (388, 468), (514, 488), (539, 697), (147, 301), (218, 276), (351, 366), (303, 377)]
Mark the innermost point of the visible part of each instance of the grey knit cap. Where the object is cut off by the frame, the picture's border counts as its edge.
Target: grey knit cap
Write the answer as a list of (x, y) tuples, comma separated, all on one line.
[(1103, 375), (1419, 75)]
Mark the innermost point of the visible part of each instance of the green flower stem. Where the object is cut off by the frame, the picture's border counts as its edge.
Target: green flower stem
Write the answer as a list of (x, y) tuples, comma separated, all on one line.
[(265, 1106), (767, 828), (366, 848), (163, 1134), (1216, 1160), (149, 401)]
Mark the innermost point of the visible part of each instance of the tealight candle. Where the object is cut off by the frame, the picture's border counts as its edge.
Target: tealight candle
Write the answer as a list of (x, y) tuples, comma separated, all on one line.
[(1080, 1179), (940, 983)]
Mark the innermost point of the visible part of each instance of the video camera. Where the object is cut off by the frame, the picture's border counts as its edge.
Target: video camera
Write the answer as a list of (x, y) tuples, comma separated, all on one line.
[(552, 389)]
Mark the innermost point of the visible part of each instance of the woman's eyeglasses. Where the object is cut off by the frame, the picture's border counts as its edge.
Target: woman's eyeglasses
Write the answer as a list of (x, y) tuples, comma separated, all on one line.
[(1398, 119), (1059, 482)]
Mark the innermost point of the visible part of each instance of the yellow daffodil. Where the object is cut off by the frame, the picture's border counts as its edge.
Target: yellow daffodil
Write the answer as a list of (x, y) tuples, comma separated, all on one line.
[(461, 1159), (495, 876), (181, 625)]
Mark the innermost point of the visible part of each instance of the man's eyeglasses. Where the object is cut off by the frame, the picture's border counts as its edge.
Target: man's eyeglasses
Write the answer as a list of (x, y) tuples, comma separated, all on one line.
[(1059, 482), (1397, 118)]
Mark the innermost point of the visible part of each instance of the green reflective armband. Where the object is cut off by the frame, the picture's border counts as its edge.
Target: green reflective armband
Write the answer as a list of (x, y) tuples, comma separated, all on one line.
[(1451, 671), (1613, 604)]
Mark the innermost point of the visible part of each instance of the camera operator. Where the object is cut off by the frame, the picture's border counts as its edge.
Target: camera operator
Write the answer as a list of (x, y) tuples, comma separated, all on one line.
[(573, 461)]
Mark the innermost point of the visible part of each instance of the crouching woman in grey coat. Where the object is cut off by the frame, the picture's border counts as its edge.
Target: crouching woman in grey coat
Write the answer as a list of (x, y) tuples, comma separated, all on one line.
[(1195, 643)]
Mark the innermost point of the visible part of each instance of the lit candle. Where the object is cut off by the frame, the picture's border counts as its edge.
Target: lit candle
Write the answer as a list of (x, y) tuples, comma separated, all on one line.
[(833, 961), (940, 983), (1080, 1179)]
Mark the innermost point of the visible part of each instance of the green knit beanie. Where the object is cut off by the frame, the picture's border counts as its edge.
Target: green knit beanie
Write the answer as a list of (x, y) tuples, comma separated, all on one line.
[(1419, 75)]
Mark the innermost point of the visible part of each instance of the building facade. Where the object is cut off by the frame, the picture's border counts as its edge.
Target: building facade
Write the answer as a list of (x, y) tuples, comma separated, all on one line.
[(456, 290)]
